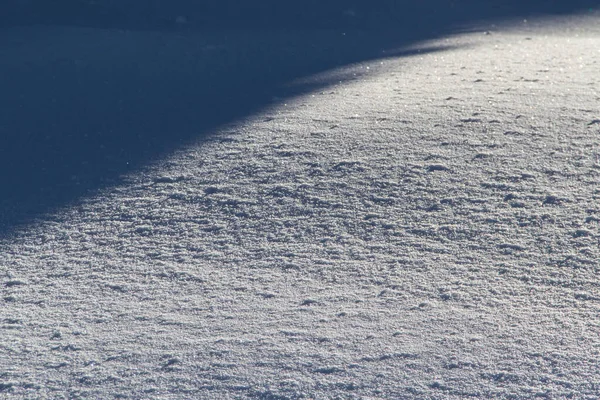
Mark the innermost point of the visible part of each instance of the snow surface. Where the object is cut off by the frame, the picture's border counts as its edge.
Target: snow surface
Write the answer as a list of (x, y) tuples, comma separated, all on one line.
[(427, 227)]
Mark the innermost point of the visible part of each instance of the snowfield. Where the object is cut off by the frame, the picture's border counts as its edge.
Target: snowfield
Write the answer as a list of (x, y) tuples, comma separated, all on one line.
[(424, 225)]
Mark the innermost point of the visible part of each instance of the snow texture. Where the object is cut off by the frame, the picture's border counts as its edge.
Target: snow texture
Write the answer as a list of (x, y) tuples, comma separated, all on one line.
[(426, 227)]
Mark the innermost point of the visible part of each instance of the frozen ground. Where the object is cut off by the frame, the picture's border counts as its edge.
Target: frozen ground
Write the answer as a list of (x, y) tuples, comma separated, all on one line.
[(427, 228)]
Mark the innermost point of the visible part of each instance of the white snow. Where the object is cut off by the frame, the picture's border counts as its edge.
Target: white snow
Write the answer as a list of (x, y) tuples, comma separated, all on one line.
[(427, 229)]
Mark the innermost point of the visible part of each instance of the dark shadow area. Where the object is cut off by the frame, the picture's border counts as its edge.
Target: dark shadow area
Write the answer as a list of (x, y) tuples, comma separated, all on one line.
[(422, 15), (90, 90)]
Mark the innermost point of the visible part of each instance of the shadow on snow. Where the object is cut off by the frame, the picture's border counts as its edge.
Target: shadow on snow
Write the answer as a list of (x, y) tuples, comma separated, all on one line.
[(90, 92)]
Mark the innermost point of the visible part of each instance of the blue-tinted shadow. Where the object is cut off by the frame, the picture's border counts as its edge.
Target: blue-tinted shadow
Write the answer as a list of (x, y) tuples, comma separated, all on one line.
[(92, 90)]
